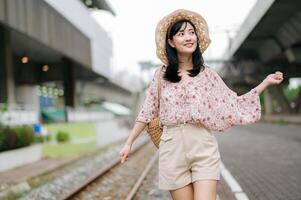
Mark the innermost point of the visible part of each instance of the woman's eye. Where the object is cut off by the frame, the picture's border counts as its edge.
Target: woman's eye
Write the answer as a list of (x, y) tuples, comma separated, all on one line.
[(181, 34)]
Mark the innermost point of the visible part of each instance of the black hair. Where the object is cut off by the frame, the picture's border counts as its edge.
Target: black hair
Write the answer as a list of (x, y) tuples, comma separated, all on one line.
[(171, 70)]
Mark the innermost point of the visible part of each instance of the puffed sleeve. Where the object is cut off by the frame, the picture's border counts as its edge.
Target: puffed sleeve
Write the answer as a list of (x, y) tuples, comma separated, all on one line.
[(229, 109), (150, 106)]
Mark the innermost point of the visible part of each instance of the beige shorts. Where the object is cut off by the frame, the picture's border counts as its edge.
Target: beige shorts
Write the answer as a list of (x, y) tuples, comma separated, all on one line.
[(187, 153)]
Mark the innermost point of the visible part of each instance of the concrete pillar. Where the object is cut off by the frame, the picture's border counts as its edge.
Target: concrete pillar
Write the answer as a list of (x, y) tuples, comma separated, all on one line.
[(267, 102), (69, 82), (3, 76), (297, 109), (79, 93), (69, 85), (28, 95), (7, 79), (278, 94)]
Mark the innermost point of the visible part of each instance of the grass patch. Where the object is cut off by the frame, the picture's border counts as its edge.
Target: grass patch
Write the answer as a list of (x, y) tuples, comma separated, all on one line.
[(15, 195), (68, 149), (76, 130)]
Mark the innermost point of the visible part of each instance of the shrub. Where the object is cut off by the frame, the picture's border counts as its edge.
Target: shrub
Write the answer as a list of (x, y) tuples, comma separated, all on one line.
[(9, 139), (25, 135), (1, 135), (42, 138), (39, 139), (48, 138), (15, 137), (62, 136)]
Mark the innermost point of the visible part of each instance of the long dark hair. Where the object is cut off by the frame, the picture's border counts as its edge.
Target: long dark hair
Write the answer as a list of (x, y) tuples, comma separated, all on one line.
[(171, 72)]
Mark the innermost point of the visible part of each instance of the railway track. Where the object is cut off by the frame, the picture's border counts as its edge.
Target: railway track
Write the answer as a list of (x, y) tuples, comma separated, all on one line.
[(116, 180)]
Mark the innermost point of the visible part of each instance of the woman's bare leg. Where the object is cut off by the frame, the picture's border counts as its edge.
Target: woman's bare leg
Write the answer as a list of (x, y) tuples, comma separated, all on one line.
[(184, 193), (205, 189)]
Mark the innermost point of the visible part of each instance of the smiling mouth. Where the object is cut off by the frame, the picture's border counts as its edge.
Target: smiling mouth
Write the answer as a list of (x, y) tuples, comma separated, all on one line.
[(188, 45)]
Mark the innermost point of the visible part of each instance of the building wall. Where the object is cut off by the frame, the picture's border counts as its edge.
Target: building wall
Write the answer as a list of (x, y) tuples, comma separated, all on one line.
[(40, 21), (101, 43)]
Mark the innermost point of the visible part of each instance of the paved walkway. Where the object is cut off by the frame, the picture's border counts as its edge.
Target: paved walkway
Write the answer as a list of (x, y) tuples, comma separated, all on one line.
[(30, 170), (265, 159)]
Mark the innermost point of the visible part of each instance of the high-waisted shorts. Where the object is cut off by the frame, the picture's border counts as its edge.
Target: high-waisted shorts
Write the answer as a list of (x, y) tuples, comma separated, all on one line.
[(187, 153)]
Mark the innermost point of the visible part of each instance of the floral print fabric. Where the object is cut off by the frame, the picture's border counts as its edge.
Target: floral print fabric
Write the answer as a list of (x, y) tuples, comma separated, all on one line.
[(204, 99)]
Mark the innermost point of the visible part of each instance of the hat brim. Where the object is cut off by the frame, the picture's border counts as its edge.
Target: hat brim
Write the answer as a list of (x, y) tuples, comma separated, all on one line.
[(198, 21)]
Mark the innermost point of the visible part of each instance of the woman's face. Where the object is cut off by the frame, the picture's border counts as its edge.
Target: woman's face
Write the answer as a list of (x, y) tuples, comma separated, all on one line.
[(185, 40)]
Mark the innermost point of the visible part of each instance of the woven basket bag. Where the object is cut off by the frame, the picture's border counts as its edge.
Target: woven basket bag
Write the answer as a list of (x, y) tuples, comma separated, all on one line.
[(153, 127)]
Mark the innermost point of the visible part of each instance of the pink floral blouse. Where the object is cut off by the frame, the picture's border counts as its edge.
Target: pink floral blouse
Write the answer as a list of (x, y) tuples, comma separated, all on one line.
[(204, 99)]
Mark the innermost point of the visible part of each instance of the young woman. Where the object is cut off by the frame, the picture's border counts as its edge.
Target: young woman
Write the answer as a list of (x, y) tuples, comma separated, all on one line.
[(194, 101)]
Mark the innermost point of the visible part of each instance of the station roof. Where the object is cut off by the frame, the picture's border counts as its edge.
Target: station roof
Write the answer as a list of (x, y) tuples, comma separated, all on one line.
[(99, 4), (271, 28)]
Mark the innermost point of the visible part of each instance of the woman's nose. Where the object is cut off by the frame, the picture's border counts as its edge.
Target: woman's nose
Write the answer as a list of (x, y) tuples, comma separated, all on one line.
[(188, 38)]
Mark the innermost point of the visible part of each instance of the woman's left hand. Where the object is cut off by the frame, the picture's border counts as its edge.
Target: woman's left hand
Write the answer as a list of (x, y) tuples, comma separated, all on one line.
[(275, 78)]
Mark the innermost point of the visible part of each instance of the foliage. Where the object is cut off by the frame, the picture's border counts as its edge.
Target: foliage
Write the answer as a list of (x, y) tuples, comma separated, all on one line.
[(42, 138), (62, 136), (291, 94), (3, 109), (15, 137)]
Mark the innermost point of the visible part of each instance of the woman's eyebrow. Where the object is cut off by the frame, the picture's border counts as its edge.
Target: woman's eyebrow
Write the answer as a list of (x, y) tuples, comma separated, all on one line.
[(191, 29)]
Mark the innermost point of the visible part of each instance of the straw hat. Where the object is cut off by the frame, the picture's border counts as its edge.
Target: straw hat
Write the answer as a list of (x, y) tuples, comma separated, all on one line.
[(166, 22)]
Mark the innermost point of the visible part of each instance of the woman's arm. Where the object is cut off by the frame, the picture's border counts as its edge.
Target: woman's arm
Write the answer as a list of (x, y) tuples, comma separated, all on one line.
[(229, 109), (137, 129), (148, 111), (261, 87), (271, 79)]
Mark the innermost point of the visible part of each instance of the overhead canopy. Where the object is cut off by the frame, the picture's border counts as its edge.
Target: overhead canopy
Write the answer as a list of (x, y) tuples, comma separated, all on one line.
[(271, 33), (99, 4), (115, 108)]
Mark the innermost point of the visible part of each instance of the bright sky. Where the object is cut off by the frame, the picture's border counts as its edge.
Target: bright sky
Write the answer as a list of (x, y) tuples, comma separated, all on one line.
[(133, 27)]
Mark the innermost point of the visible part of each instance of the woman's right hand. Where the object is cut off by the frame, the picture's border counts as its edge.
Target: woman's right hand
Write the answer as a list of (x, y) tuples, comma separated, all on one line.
[(275, 78), (124, 153)]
